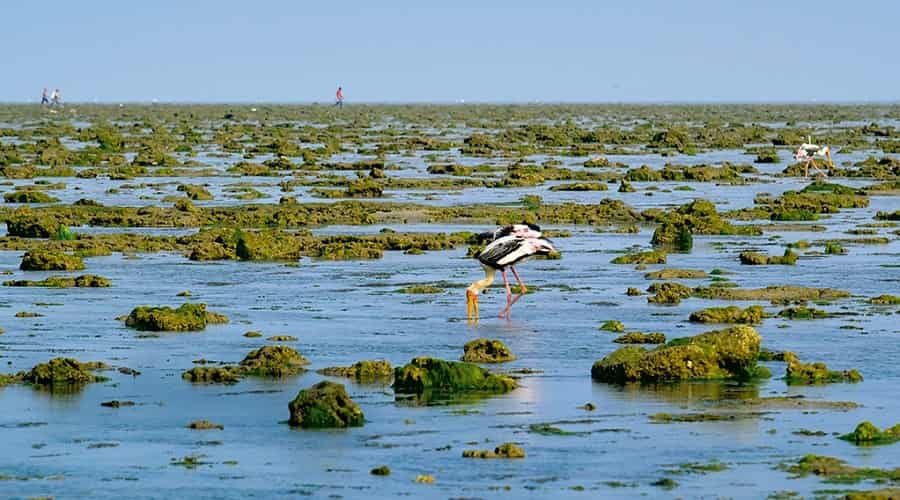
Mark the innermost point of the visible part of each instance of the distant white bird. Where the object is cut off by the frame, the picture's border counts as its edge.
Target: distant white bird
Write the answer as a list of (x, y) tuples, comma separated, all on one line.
[(808, 152), (509, 245)]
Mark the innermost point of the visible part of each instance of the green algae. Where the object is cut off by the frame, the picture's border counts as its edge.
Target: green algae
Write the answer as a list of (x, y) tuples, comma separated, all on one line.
[(362, 371), (867, 433), (421, 289), (28, 196), (798, 373), (649, 257), (669, 274), (61, 372), (381, 470), (424, 374), (802, 313), (668, 292), (753, 258), (776, 294), (612, 325), (50, 260), (720, 354), (505, 450), (835, 470), (731, 314), (186, 318), (486, 351), (641, 338), (83, 281), (201, 425), (885, 300), (213, 375), (324, 405), (273, 361)]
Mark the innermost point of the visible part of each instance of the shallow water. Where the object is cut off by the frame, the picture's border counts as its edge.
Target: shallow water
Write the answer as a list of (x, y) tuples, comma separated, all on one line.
[(68, 446)]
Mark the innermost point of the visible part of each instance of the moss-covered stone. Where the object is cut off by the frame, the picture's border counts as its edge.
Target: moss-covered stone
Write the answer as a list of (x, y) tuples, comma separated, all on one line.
[(214, 375), (505, 450), (641, 338), (273, 361), (754, 258), (324, 405), (668, 292), (732, 314), (424, 374), (486, 351), (885, 300), (799, 373), (776, 294), (362, 371), (730, 353), (421, 289), (28, 196), (632, 291), (202, 425), (187, 318), (612, 325), (867, 434), (836, 470), (50, 260), (802, 312), (381, 470), (649, 257), (61, 371), (83, 281), (674, 274)]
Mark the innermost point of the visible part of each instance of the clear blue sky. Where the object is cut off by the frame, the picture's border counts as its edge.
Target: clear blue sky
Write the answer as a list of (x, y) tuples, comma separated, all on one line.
[(501, 51)]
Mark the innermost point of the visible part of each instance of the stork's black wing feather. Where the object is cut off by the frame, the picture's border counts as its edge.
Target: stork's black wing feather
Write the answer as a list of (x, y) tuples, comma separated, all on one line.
[(498, 249)]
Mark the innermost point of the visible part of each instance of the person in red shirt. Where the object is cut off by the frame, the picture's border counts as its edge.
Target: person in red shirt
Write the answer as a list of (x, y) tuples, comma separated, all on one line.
[(339, 98)]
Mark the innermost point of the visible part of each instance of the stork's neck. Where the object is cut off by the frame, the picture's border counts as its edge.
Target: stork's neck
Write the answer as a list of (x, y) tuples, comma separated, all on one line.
[(480, 285)]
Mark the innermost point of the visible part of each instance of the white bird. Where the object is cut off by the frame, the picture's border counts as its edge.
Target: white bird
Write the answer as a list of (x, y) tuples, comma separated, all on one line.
[(509, 246), (808, 152)]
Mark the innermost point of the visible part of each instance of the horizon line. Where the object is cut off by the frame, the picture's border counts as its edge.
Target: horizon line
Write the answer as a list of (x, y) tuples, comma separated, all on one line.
[(150, 102)]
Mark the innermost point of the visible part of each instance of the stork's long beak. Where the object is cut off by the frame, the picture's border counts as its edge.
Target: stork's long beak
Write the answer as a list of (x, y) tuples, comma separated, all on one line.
[(471, 306)]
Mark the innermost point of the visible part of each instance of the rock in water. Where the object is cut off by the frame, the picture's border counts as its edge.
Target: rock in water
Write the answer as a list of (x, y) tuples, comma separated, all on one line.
[(50, 260), (325, 404), (362, 371), (187, 318), (730, 353), (274, 361), (486, 351), (431, 374), (505, 450)]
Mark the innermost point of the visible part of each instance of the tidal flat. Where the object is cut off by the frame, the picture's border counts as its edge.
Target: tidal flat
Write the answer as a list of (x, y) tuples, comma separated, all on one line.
[(190, 269)]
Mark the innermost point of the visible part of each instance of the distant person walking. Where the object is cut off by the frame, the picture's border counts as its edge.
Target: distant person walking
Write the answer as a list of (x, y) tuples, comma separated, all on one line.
[(44, 99), (55, 98), (339, 98)]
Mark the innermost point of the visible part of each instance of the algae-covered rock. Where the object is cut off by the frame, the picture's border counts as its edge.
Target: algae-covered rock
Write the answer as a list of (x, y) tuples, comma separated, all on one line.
[(381, 470), (187, 318), (641, 338), (83, 281), (424, 374), (27, 225), (799, 373), (28, 196), (668, 292), (50, 260), (505, 450), (730, 353), (632, 291), (674, 274), (421, 289), (777, 294), (753, 258), (731, 314), (324, 405), (362, 371), (214, 375), (612, 325), (867, 434), (60, 371), (486, 351), (273, 361), (802, 312), (885, 300), (838, 471), (201, 425), (649, 257)]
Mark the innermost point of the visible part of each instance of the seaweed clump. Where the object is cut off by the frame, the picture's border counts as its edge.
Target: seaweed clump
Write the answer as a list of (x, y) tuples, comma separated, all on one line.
[(505, 450), (836, 470), (775, 294), (731, 314), (798, 373), (641, 338), (61, 371), (758, 259), (867, 434), (187, 318), (324, 405), (273, 361), (885, 300), (425, 375), (720, 354), (50, 260), (486, 351), (649, 257), (83, 281), (213, 375), (668, 292), (362, 371)]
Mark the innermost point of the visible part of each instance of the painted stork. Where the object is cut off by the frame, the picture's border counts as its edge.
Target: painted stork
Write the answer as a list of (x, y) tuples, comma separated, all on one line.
[(808, 152), (509, 245)]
